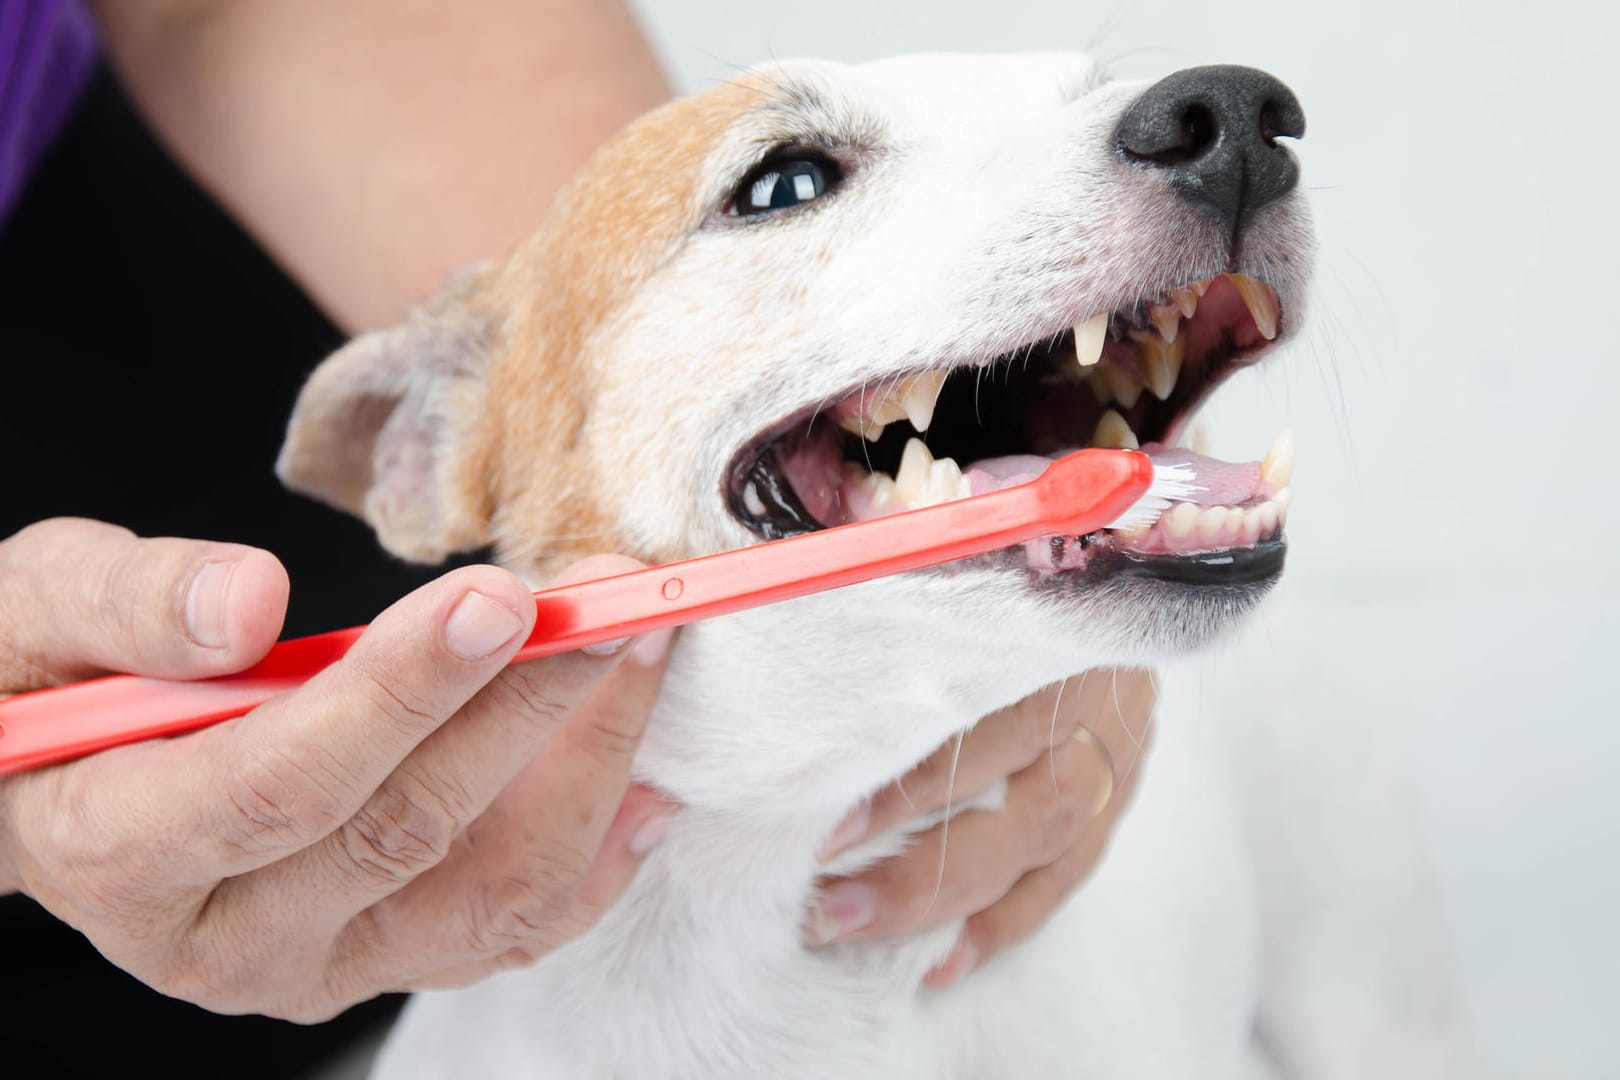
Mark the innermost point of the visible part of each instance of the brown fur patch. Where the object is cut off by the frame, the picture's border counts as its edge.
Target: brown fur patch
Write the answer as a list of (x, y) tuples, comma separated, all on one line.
[(618, 220)]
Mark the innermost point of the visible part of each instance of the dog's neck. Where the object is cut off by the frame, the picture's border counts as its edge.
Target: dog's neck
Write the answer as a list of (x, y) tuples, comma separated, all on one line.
[(833, 696), (800, 710)]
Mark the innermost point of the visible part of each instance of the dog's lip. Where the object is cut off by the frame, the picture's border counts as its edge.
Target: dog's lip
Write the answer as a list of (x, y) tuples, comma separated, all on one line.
[(762, 465)]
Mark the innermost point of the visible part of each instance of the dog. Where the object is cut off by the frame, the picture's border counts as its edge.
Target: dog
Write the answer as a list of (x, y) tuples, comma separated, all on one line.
[(817, 294)]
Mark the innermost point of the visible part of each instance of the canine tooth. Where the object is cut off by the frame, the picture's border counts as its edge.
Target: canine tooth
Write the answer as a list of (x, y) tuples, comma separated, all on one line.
[(1125, 387), (1181, 521), (1198, 439), (1113, 432), (1160, 362), (1186, 301), (918, 395), (1089, 338), (1278, 468), (1165, 319), (911, 479), (1260, 301)]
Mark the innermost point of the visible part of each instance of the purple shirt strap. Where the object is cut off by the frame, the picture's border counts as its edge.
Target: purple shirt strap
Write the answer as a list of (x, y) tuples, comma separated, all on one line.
[(47, 49)]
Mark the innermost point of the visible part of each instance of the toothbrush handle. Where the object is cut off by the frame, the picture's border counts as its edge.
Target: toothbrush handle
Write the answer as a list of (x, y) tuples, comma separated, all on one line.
[(49, 726)]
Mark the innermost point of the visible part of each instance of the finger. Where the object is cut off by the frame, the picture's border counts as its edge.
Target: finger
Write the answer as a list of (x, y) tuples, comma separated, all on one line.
[(1024, 909), (1035, 898), (246, 793), (1116, 705), (408, 824), (641, 821), (965, 864), (80, 598), (1001, 744), (535, 870)]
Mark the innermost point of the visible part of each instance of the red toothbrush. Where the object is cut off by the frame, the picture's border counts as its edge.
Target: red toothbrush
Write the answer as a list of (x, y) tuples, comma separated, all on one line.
[(1076, 494)]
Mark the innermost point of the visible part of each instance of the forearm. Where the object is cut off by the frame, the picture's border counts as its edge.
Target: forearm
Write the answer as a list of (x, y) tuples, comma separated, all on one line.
[(375, 146)]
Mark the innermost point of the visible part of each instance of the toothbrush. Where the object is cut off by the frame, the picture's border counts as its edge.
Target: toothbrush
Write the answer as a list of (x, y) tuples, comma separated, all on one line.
[(1075, 495)]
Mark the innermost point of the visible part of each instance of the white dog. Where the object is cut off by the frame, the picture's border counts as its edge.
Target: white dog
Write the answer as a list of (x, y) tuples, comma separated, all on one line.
[(737, 324)]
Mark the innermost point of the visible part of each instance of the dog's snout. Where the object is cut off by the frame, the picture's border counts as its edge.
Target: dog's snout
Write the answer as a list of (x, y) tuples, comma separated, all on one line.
[(1214, 131)]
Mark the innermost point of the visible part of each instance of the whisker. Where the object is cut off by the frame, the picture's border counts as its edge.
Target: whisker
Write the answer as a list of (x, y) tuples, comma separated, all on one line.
[(945, 826)]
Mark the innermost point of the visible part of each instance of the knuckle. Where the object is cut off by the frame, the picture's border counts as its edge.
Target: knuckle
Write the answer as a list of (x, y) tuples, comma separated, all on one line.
[(406, 709), (517, 690), (404, 830), (533, 908), (272, 798), (1063, 816)]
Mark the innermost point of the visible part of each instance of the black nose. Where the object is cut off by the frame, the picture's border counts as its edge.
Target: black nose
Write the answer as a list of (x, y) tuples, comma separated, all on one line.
[(1214, 131)]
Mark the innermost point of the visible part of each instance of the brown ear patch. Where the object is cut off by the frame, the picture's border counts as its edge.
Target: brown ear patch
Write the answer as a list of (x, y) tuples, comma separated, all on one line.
[(620, 219)]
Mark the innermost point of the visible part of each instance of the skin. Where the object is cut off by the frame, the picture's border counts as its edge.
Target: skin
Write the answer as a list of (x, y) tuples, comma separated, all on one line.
[(420, 815)]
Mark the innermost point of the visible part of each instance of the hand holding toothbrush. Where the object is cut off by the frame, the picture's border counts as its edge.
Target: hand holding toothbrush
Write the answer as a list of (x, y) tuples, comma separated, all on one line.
[(306, 856)]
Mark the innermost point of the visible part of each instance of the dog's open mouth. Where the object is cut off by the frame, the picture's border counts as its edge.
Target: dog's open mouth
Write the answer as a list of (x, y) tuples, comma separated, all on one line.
[(1131, 378)]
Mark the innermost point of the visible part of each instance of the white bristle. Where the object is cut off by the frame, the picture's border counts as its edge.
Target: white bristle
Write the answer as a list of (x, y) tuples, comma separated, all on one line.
[(1171, 483)]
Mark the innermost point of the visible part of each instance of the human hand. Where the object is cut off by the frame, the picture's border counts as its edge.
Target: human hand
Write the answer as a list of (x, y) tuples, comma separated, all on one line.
[(1069, 755), (418, 815)]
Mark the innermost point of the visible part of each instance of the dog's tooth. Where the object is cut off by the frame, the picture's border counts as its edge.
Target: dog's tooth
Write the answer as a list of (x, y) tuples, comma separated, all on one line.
[(911, 479), (1282, 500), (918, 395), (751, 500), (1212, 523), (885, 408), (1089, 338), (945, 481), (1166, 319), (1186, 300), (1160, 362), (1113, 432), (1261, 302), (1122, 385), (1199, 288), (854, 424), (1278, 467), (882, 487), (1099, 386), (1181, 521), (1268, 517)]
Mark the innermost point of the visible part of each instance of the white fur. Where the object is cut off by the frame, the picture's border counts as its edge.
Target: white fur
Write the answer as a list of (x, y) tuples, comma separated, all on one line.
[(992, 212)]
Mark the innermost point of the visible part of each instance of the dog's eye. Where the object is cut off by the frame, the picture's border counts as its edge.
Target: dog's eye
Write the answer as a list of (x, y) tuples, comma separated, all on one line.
[(783, 182)]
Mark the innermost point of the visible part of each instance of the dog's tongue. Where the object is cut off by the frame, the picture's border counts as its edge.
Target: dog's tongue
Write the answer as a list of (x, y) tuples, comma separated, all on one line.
[(1220, 483)]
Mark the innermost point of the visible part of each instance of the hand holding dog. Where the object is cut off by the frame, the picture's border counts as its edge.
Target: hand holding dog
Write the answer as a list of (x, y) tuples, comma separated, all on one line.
[(419, 815), (1069, 756)]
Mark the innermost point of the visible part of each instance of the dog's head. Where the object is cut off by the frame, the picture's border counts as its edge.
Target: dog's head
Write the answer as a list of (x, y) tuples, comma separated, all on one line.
[(820, 293)]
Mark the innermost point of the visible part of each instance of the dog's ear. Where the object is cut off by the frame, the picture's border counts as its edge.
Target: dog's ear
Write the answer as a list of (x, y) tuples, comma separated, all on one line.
[(386, 427)]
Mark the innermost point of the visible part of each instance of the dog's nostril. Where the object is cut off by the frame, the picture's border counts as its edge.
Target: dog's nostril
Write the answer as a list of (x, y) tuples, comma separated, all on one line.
[(1213, 131)]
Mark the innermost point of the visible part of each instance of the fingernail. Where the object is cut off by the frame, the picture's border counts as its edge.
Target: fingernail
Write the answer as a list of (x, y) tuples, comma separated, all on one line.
[(479, 626), (649, 833), (955, 967), (843, 909), (205, 603), (850, 831), (604, 648), (651, 648)]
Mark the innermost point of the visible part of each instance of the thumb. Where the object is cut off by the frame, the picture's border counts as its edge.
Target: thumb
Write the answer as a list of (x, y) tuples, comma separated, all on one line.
[(80, 598)]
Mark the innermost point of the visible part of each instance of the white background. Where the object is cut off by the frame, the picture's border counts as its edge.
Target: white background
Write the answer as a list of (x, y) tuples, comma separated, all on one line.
[(1451, 571)]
